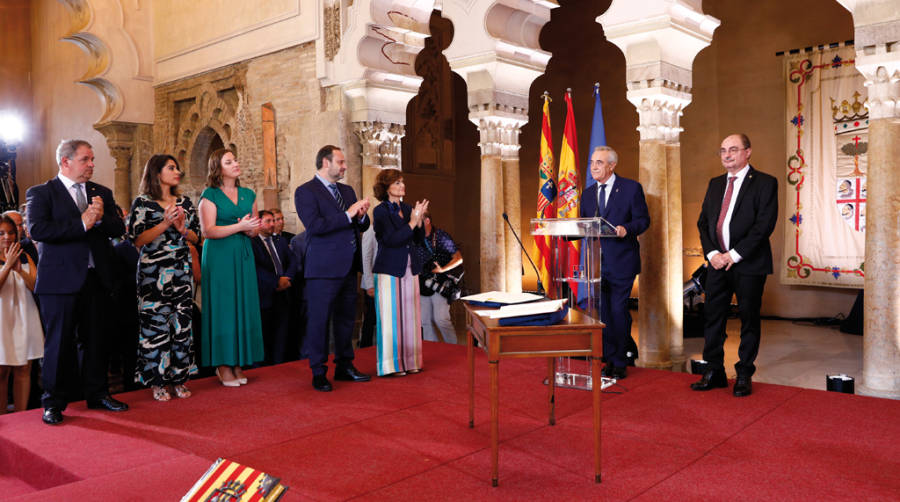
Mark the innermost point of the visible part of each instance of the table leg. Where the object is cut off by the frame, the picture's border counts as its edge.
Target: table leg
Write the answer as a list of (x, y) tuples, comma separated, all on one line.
[(551, 388), (495, 418), (596, 391), (470, 349)]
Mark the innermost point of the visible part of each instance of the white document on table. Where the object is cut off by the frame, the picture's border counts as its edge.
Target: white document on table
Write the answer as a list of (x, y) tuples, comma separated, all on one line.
[(502, 297)]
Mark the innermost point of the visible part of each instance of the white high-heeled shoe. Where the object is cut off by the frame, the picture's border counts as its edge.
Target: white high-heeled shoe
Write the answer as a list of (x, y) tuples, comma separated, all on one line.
[(227, 383)]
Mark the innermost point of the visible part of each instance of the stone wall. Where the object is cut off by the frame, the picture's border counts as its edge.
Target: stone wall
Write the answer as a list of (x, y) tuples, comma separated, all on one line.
[(195, 114)]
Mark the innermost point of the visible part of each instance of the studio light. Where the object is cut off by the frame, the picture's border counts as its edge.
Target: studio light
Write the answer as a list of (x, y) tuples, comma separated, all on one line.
[(12, 129), (12, 132)]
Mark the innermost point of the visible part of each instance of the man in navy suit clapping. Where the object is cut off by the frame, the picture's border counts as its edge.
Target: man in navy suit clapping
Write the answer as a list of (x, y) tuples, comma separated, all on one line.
[(73, 219), (619, 201), (333, 219)]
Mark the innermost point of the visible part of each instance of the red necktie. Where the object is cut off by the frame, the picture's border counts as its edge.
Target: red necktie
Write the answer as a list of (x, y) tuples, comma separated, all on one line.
[(725, 203)]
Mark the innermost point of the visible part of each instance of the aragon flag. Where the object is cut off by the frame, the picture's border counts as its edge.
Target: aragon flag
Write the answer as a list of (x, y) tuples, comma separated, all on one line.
[(546, 198), (567, 206)]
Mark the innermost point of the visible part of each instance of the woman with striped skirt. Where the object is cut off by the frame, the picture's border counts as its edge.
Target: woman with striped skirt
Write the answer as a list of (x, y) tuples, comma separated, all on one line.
[(398, 230)]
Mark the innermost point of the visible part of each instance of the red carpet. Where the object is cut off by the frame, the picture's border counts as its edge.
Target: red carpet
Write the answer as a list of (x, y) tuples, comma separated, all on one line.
[(407, 439)]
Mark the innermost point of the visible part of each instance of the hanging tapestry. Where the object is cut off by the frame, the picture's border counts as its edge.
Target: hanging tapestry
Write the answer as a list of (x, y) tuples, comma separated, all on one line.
[(827, 137)]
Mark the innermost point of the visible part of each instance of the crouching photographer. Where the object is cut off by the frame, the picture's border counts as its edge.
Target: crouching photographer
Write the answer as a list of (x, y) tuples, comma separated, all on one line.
[(440, 281)]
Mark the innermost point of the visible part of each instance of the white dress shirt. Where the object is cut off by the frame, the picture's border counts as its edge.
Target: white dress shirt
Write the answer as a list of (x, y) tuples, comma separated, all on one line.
[(609, 183), (726, 231)]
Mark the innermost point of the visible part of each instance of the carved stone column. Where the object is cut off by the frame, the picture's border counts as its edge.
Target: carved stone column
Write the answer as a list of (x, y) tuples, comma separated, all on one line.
[(659, 56), (493, 246), (380, 143), (660, 313), (121, 138), (512, 204), (879, 61)]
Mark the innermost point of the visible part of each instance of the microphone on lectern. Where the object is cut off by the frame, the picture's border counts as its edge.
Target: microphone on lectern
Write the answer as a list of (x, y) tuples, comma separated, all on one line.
[(540, 286)]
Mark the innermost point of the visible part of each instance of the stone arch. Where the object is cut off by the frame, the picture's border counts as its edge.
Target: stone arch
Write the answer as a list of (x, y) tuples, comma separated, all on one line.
[(210, 121), (206, 142)]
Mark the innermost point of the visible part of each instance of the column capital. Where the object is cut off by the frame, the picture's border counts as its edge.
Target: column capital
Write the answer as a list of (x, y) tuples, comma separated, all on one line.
[(659, 108), (499, 135), (380, 143)]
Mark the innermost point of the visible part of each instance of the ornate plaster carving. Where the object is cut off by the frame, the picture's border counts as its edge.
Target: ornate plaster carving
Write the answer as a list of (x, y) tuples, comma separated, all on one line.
[(210, 114), (380, 143), (120, 138), (119, 74), (660, 41), (499, 137), (332, 30)]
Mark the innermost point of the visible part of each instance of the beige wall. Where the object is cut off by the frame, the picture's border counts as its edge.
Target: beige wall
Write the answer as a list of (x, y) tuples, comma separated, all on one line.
[(192, 37), (62, 108), (738, 86)]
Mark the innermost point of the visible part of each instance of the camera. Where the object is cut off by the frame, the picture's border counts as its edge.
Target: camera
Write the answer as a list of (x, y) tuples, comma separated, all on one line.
[(445, 285)]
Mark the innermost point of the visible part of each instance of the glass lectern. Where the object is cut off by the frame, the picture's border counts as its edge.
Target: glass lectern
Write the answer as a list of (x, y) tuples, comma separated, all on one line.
[(574, 265)]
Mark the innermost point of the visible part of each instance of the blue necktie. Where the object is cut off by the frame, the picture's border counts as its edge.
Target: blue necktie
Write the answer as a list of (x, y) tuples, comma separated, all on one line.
[(337, 196), (279, 270), (601, 200)]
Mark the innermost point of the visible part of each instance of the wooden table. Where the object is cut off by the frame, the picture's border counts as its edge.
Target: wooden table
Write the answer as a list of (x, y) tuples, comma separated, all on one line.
[(576, 335)]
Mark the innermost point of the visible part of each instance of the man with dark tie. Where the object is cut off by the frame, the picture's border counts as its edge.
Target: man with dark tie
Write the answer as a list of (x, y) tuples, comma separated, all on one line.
[(333, 219), (275, 272), (620, 201), (74, 219), (738, 216), (278, 228)]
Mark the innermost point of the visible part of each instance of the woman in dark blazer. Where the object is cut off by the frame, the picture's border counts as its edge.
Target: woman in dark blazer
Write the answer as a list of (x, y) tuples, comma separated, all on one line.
[(398, 230)]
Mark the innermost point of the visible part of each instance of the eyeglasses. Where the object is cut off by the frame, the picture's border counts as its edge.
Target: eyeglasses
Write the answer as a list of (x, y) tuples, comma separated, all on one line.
[(731, 151)]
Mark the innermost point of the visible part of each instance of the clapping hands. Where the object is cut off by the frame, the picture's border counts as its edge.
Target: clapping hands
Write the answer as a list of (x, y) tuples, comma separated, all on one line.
[(93, 214), (249, 224), (11, 257), (175, 216), (417, 218)]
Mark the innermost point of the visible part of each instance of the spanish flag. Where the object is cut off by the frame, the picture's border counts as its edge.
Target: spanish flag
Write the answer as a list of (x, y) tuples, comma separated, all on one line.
[(567, 206), (546, 198)]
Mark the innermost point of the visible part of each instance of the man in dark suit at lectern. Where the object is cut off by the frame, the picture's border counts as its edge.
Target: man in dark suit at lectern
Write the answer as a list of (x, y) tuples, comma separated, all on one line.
[(333, 219), (738, 216), (73, 219), (621, 202)]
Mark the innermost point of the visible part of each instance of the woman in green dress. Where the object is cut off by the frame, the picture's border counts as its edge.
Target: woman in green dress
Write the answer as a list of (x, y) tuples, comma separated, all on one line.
[(231, 334)]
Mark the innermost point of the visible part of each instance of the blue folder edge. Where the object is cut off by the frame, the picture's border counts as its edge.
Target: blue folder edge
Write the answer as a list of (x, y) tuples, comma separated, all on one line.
[(537, 319)]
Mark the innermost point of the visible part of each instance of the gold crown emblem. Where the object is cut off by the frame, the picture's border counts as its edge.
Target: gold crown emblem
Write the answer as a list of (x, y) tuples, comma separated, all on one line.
[(847, 111)]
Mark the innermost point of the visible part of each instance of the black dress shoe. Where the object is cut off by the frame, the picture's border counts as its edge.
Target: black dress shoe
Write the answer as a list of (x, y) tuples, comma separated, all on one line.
[(321, 383), (108, 403), (617, 372), (350, 374), (52, 416), (742, 386), (712, 379)]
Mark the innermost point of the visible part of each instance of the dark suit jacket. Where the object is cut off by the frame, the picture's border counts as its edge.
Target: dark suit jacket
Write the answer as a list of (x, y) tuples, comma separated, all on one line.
[(30, 249), (396, 241), (266, 277), (298, 248), (332, 242), (752, 221), (625, 206), (55, 222)]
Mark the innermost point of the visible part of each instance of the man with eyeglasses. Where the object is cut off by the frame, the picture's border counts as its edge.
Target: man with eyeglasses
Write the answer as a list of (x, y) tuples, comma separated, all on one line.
[(736, 220)]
